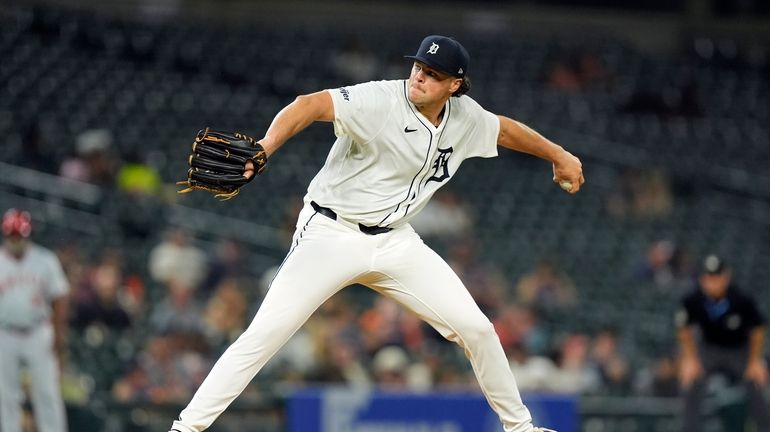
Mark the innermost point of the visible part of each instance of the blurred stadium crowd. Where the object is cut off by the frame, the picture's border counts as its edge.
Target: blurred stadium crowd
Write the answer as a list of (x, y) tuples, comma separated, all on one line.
[(582, 290)]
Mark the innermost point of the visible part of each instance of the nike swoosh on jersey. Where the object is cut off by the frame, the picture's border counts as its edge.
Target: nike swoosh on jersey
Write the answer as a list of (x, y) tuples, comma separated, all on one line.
[(407, 130)]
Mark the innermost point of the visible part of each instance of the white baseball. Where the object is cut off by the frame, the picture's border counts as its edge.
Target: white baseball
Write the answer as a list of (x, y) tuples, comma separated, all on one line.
[(566, 185)]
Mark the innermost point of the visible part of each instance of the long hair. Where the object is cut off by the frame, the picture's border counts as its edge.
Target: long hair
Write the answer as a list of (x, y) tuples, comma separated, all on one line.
[(465, 87)]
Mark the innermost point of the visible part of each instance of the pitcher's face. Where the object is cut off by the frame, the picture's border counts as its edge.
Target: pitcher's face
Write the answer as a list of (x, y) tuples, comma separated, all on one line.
[(429, 86)]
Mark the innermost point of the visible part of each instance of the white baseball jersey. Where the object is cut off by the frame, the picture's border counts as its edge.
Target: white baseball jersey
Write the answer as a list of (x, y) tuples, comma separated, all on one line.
[(28, 285), (388, 159)]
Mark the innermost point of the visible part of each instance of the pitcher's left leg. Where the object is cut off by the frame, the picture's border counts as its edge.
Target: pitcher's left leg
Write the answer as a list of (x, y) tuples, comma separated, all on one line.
[(425, 284)]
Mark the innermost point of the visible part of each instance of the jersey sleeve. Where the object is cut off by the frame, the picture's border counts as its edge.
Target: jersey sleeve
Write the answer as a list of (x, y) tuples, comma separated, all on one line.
[(685, 315), (484, 132), (57, 281), (360, 110)]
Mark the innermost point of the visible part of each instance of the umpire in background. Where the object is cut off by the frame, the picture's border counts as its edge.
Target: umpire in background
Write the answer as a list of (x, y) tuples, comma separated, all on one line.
[(721, 330)]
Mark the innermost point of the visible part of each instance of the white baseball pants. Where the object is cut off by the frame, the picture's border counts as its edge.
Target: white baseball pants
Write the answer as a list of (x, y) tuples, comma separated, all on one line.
[(35, 349), (328, 255)]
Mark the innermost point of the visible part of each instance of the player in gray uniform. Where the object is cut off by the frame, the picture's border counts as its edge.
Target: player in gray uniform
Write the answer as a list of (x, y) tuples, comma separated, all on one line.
[(397, 143), (33, 301)]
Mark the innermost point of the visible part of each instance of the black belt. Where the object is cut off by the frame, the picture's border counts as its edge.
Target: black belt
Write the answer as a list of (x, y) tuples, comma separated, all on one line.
[(371, 230)]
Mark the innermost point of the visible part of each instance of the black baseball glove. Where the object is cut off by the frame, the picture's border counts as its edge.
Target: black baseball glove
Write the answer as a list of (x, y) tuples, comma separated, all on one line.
[(218, 161)]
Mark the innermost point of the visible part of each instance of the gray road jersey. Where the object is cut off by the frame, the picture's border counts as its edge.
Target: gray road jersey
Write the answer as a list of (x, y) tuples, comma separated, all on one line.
[(28, 285)]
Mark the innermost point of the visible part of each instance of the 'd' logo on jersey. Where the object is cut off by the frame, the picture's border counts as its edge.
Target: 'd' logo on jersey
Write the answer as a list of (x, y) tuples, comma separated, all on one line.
[(441, 170)]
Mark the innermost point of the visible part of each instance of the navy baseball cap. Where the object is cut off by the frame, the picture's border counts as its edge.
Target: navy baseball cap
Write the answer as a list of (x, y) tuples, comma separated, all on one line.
[(714, 264), (443, 54)]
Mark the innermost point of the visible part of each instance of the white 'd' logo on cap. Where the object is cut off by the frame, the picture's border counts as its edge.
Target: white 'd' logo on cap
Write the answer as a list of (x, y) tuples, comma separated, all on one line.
[(433, 48)]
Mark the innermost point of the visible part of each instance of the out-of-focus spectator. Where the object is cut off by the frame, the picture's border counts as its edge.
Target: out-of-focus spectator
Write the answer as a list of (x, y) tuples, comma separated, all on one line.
[(140, 192), (532, 372), (684, 276), (445, 218), (176, 258), (449, 375), (593, 71), (415, 335), (166, 371), (576, 71), (93, 161), (103, 307), (394, 370), (611, 365), (379, 325), (641, 195), (563, 77), (665, 382), (546, 287), (655, 266), (518, 330), (225, 313), (179, 312), (139, 178), (76, 269), (486, 283), (575, 374), (664, 266), (341, 362), (228, 263), (658, 379), (652, 196)]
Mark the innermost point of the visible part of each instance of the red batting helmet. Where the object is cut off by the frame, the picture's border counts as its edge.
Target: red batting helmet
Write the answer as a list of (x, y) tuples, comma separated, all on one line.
[(17, 222)]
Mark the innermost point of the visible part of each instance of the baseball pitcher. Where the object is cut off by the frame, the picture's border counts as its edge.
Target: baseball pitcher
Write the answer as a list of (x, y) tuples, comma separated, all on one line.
[(397, 143)]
